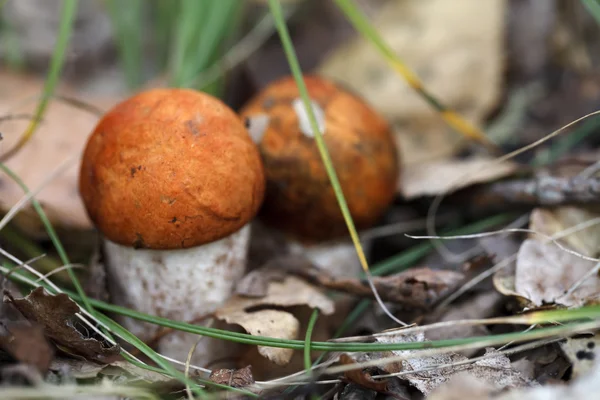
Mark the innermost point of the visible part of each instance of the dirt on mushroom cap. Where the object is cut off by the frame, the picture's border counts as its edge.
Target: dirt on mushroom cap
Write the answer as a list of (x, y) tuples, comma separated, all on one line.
[(170, 168), (299, 198)]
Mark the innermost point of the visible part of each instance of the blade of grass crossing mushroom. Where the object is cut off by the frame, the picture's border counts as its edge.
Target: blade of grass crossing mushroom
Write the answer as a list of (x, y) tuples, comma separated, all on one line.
[(593, 7), (290, 53), (69, 9), (362, 25)]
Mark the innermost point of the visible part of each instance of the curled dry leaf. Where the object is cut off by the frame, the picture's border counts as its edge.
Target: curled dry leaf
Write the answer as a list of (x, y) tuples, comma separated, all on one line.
[(233, 377), (552, 221), (254, 315), (28, 345), (416, 287), (56, 314), (545, 273), (362, 377), (496, 370), (61, 136), (447, 176), (458, 56)]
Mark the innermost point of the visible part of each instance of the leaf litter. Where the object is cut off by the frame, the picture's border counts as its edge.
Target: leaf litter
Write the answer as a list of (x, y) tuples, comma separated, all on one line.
[(56, 315), (496, 370), (257, 316), (542, 274), (62, 134)]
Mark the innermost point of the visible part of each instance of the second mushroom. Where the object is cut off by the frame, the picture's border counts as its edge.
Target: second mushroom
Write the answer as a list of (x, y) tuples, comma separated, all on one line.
[(299, 199)]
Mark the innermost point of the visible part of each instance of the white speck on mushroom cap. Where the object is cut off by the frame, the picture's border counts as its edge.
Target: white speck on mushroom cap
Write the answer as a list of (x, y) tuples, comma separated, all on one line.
[(257, 126), (304, 120)]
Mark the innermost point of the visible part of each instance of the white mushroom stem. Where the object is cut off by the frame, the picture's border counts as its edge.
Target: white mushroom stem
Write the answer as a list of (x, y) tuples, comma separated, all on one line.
[(182, 285)]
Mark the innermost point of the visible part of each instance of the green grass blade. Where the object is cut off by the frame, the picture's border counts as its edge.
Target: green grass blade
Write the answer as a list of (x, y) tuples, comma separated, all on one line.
[(454, 120), (217, 27), (53, 237), (128, 28), (69, 10), (404, 260), (593, 7), (144, 348), (190, 16), (297, 73), (307, 339)]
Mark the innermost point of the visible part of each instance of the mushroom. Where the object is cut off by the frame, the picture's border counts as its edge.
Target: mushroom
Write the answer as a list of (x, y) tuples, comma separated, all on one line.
[(299, 198), (171, 178)]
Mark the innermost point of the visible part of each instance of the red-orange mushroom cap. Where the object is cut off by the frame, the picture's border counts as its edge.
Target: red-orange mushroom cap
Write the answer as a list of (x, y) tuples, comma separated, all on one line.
[(299, 197), (169, 169)]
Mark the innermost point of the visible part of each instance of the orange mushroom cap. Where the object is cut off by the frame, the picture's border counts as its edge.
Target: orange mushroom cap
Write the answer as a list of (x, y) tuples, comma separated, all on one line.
[(299, 198), (170, 168)]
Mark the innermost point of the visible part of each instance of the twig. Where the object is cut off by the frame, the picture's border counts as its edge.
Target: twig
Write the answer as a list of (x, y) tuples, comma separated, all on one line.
[(538, 191)]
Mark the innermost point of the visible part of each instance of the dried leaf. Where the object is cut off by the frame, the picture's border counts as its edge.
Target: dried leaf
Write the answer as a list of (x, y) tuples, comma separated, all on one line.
[(56, 314), (545, 273), (583, 353), (458, 56), (496, 370), (416, 287), (254, 315), (233, 377), (28, 345), (362, 377), (447, 176), (256, 282), (61, 135), (553, 221)]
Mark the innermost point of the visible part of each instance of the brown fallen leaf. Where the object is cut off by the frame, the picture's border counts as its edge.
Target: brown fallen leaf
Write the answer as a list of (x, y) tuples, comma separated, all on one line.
[(28, 345), (450, 175), (552, 221), (254, 315), (61, 136), (362, 377), (56, 314), (416, 287), (458, 56), (236, 378), (545, 274)]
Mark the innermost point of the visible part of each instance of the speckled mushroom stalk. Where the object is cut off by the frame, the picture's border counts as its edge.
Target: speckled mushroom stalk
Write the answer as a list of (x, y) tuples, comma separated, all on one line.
[(299, 198), (171, 179)]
